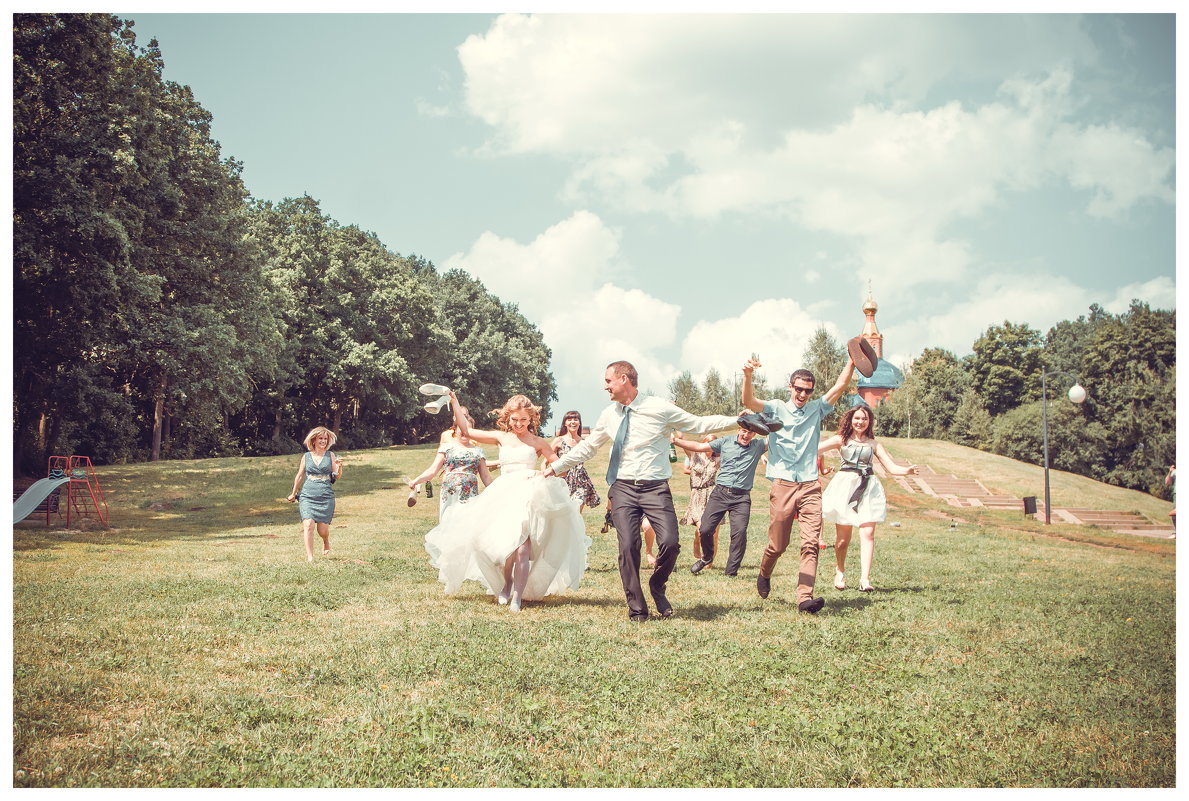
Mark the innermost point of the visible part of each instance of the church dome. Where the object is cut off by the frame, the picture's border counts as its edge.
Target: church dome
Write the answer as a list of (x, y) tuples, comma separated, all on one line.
[(886, 376)]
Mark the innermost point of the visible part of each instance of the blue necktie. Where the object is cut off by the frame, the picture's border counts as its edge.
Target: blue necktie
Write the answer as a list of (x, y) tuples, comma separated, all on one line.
[(617, 447)]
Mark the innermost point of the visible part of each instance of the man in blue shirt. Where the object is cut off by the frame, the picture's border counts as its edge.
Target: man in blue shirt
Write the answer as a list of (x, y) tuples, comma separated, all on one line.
[(792, 468), (738, 457)]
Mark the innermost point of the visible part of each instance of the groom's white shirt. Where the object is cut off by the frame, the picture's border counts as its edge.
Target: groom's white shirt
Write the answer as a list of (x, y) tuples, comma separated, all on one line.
[(646, 452)]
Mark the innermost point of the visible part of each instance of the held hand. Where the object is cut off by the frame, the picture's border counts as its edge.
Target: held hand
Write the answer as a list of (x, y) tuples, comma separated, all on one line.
[(913, 470), (292, 498)]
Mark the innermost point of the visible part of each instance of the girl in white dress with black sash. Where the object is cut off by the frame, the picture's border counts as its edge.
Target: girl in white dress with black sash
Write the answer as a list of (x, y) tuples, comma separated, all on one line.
[(522, 538), (855, 497)]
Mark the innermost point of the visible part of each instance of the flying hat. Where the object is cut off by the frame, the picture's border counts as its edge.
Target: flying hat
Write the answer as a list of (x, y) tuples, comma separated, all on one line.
[(759, 423), (863, 355)]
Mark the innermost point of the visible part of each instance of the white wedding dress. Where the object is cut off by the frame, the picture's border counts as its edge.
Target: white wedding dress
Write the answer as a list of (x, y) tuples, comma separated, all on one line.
[(479, 536)]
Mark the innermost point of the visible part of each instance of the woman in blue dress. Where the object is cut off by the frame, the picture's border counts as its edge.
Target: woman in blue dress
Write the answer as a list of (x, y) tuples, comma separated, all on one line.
[(318, 470)]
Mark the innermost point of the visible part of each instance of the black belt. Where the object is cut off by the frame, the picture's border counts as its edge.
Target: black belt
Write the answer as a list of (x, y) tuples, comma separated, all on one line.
[(733, 490), (864, 475), (642, 484)]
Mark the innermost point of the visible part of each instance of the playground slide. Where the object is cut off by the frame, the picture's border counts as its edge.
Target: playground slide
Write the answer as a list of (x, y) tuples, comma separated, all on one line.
[(38, 492)]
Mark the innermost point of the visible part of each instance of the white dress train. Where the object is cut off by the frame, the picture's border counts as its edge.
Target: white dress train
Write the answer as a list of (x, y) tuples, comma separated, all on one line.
[(478, 537)]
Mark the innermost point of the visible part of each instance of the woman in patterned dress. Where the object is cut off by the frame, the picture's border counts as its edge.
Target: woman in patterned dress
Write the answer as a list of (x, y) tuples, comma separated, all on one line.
[(465, 464), (581, 487), (319, 469), (702, 469)]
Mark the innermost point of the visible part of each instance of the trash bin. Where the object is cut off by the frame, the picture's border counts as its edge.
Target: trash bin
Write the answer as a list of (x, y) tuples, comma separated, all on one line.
[(1030, 505)]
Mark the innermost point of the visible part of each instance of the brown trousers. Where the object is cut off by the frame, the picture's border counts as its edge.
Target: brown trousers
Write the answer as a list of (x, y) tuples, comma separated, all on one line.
[(789, 499)]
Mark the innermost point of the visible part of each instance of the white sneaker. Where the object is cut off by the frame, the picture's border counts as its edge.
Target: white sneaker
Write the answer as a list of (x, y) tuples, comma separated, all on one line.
[(514, 606), (434, 389)]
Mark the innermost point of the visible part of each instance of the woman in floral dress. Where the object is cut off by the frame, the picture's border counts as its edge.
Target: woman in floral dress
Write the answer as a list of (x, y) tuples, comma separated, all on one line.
[(465, 464), (702, 469), (581, 487)]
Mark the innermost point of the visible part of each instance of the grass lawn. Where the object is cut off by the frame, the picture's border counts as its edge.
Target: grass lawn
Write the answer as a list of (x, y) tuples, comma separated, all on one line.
[(192, 645)]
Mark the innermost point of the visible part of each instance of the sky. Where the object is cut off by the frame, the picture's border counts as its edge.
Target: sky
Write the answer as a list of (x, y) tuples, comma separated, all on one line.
[(684, 190)]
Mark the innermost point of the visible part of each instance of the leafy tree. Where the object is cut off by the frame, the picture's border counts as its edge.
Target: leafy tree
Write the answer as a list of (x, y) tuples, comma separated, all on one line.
[(496, 352), (1129, 371), (972, 425), (1066, 342), (124, 214), (1005, 368), (717, 398), (1076, 444), (825, 358), (685, 393), (937, 382)]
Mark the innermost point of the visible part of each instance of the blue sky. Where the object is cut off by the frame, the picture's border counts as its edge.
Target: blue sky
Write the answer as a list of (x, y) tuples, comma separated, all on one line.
[(683, 190)]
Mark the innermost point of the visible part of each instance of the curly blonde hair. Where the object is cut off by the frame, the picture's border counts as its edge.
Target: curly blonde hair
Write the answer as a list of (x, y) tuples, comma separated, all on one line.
[(514, 404)]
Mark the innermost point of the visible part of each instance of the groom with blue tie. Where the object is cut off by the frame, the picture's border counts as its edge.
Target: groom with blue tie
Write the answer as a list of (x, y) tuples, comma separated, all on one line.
[(638, 475)]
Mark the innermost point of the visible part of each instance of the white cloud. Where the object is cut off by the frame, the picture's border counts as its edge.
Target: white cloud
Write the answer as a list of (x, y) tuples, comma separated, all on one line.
[(569, 259), (816, 119), (777, 330), (1159, 293), (558, 282), (1038, 300)]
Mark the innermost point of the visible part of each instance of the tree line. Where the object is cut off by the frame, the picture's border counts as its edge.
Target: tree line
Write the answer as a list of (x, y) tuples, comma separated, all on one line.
[(1123, 434), (160, 311)]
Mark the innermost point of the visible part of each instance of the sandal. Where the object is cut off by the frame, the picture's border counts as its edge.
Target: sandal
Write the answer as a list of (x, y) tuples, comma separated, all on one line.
[(865, 586), (840, 580)]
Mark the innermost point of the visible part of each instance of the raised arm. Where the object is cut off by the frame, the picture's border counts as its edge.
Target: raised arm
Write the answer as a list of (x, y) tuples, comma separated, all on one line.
[(749, 398), (835, 392), (464, 428), (888, 464), (681, 420)]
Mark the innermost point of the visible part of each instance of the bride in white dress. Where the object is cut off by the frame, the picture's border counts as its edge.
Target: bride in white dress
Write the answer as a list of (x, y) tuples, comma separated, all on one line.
[(523, 537)]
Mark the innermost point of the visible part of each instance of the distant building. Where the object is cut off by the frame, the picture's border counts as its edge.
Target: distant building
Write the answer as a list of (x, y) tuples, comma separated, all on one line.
[(887, 378)]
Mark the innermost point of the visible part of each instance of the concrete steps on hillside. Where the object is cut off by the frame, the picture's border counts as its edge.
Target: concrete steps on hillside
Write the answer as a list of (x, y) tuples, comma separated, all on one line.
[(1121, 522), (969, 493)]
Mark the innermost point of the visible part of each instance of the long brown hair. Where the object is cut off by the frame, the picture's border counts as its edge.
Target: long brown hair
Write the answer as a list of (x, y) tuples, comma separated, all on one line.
[(572, 413), (846, 428)]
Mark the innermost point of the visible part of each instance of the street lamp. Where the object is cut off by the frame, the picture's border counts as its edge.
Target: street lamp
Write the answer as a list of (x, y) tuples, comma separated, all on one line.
[(1077, 394)]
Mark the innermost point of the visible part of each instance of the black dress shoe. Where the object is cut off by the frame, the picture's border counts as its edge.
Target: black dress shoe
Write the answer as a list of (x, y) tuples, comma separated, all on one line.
[(698, 565), (812, 606), (731, 575), (638, 618), (763, 586), (663, 607)]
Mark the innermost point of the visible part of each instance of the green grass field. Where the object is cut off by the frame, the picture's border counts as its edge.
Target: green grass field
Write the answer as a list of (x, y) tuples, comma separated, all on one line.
[(192, 645)]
